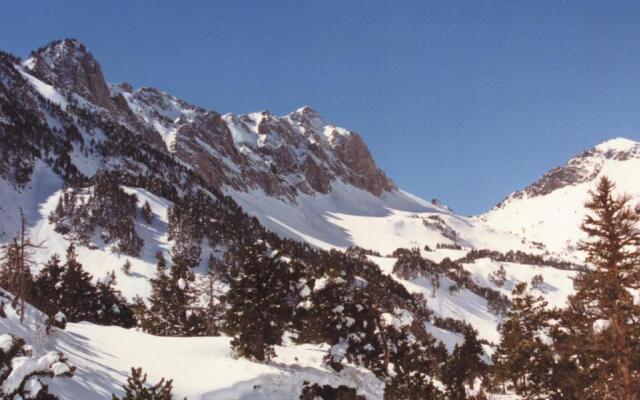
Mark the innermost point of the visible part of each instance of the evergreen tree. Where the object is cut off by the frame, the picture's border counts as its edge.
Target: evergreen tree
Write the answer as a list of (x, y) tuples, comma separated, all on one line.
[(137, 388), (78, 300), (210, 291), (172, 310), (414, 364), (108, 209), (47, 289), (261, 299), (147, 214), (522, 358), (498, 277), (327, 392), (126, 267), (537, 281), (464, 366), (68, 291), (598, 337), (113, 308)]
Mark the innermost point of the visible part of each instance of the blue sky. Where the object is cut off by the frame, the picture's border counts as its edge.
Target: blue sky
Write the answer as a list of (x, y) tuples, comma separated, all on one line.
[(464, 101)]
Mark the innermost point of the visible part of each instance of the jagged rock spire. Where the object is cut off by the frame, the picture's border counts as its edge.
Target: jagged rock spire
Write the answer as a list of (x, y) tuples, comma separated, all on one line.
[(68, 65)]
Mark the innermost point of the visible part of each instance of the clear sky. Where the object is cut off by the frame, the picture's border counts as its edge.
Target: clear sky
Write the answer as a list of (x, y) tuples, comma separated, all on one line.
[(464, 101)]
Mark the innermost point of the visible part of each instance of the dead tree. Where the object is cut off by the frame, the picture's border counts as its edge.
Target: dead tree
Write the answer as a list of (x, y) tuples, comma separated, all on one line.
[(16, 263)]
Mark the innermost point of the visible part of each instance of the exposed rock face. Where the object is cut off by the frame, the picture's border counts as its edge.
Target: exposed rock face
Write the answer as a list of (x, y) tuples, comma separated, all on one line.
[(68, 65), (361, 170), (283, 156)]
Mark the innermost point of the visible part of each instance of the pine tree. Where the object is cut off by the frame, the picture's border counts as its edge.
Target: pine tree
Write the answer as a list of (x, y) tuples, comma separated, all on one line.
[(522, 357), (147, 214), (414, 364), (315, 392), (210, 291), (126, 267), (598, 337), (172, 310), (138, 389), (498, 277), (537, 281), (464, 366), (260, 301), (78, 299), (47, 289), (113, 308)]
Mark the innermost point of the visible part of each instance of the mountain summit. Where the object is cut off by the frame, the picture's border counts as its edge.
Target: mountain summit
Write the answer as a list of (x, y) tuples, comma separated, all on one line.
[(550, 210), (69, 66)]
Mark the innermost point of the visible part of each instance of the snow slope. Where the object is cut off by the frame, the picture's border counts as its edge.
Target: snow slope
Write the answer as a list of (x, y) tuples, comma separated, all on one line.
[(349, 216), (201, 367), (467, 306)]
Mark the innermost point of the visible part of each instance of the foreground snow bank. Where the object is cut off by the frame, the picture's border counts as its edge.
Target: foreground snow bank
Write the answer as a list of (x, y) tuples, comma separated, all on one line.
[(201, 367)]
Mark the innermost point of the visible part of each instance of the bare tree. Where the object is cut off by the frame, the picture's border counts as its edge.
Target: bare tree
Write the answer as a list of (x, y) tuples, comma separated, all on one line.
[(17, 259)]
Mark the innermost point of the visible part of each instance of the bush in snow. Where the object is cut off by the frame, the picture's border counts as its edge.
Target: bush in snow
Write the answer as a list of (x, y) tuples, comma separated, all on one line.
[(326, 392), (498, 277), (138, 389), (21, 375)]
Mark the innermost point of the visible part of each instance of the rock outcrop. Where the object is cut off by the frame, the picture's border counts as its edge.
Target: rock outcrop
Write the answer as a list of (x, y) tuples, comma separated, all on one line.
[(70, 67)]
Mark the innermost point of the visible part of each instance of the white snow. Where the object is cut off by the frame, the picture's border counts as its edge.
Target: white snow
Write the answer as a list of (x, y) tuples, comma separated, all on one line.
[(47, 91), (24, 366), (6, 341), (617, 144), (201, 367), (349, 216)]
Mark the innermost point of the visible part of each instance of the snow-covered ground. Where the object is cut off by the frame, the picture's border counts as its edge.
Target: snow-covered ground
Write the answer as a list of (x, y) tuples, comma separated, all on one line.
[(201, 367), (350, 216)]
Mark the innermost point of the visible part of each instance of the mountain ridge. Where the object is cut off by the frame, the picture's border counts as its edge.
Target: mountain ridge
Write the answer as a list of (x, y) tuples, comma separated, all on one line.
[(299, 152)]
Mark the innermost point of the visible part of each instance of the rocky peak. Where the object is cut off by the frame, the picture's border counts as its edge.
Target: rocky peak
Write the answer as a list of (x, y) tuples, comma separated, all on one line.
[(580, 169), (69, 66)]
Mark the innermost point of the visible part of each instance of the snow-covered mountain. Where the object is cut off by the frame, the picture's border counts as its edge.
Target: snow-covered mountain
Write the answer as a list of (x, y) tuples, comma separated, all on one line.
[(301, 176), (64, 129), (550, 210), (283, 156)]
